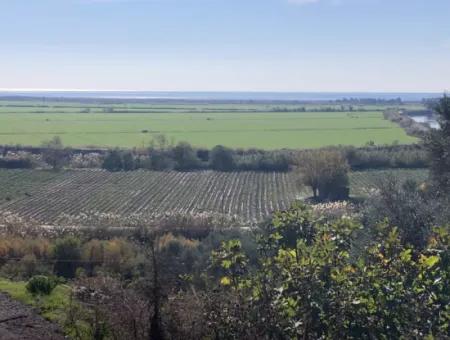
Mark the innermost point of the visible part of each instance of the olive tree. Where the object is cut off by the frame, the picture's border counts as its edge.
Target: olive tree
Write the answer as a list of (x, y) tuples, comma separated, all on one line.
[(326, 173), (54, 153)]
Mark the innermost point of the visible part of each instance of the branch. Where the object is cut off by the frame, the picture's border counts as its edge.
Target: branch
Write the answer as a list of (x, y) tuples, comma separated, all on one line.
[(13, 318)]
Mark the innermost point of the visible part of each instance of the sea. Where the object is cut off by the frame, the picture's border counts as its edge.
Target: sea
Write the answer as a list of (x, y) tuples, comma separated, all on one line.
[(223, 96)]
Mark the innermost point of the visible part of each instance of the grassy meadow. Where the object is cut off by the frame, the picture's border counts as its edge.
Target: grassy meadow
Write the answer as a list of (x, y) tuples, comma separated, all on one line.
[(203, 125)]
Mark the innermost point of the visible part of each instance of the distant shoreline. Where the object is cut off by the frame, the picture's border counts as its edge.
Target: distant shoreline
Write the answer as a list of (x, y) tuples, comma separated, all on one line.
[(159, 96)]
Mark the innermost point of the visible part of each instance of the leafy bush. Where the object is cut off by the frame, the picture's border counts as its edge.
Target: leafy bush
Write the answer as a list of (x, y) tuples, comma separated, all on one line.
[(16, 163), (161, 160), (41, 285), (113, 161), (221, 159), (407, 206), (262, 161), (88, 160), (185, 157), (308, 286), (128, 163), (380, 157), (67, 253)]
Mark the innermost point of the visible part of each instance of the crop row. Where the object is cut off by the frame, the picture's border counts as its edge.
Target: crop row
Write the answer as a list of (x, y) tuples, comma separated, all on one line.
[(249, 195), (48, 197)]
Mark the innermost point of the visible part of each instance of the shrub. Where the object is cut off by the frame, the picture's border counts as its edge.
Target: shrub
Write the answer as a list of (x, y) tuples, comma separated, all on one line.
[(221, 158), (16, 163), (161, 160), (89, 160), (128, 161), (406, 206), (308, 285), (41, 285), (67, 254), (203, 155), (185, 157), (113, 161), (391, 156)]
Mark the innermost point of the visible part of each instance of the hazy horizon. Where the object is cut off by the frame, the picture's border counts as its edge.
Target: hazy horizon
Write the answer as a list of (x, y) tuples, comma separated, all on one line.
[(261, 96)]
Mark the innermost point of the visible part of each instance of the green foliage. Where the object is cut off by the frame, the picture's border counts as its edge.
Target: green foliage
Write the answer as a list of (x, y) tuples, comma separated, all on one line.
[(41, 285), (386, 156), (326, 172), (185, 157), (54, 153), (413, 210), (233, 262), (308, 285), (51, 306), (117, 160), (438, 145), (67, 254), (113, 161), (221, 158), (128, 161)]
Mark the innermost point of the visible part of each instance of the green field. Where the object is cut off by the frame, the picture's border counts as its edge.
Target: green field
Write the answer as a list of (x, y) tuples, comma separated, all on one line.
[(206, 125)]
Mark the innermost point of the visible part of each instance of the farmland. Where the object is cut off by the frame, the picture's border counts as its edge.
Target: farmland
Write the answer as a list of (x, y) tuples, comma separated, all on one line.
[(203, 125), (47, 197)]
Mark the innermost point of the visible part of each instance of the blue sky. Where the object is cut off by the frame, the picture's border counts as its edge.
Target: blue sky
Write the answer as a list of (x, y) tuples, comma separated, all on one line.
[(220, 45)]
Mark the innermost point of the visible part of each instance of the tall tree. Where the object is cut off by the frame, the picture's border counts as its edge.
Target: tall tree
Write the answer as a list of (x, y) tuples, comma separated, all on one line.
[(326, 172), (54, 153), (438, 145)]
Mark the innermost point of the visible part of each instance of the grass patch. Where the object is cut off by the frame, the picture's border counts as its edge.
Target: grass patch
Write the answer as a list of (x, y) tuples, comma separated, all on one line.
[(51, 307), (243, 126)]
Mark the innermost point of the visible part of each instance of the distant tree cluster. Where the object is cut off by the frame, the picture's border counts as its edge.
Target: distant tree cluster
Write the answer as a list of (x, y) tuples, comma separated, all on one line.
[(371, 101), (163, 155)]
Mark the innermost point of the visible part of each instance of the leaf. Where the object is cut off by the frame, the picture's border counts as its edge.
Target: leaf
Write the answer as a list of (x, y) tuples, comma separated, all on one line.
[(430, 261), (406, 256), (225, 281), (226, 264)]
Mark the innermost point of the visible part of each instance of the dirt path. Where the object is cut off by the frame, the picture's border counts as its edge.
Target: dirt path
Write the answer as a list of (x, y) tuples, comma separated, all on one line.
[(24, 323)]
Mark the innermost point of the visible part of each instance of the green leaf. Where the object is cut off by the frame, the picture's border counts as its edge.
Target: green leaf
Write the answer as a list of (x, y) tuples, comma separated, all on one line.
[(226, 264), (406, 255), (225, 281), (430, 261)]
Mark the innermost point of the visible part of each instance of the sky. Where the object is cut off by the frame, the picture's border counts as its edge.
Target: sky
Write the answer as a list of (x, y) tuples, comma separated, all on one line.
[(226, 45)]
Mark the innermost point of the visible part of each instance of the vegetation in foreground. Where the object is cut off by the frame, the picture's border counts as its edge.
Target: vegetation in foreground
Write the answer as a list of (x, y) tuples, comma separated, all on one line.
[(302, 275), (52, 306)]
